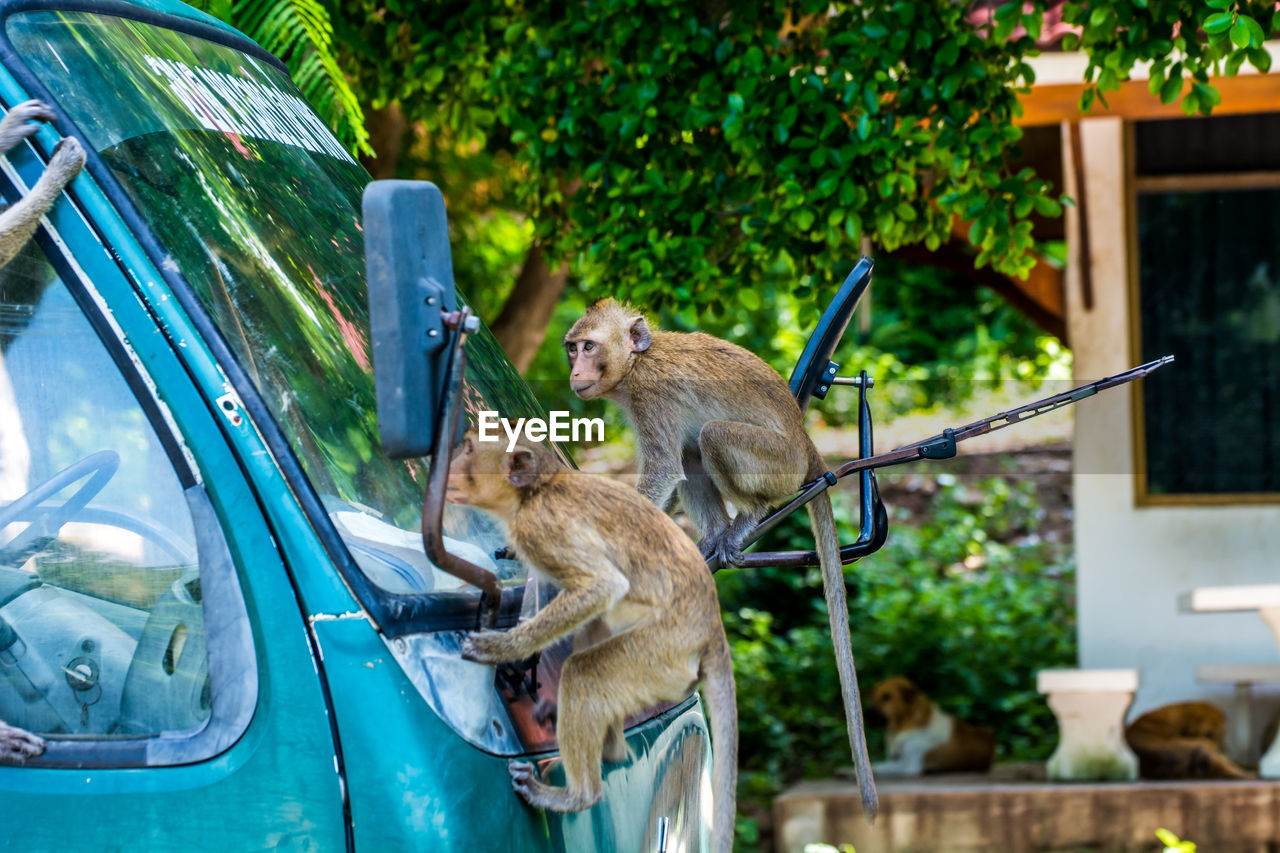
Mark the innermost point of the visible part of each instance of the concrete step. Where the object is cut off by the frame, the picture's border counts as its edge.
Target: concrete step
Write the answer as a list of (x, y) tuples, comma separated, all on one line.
[(971, 814)]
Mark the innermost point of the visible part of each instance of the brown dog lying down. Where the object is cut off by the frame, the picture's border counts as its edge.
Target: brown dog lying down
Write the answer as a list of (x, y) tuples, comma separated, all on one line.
[(17, 745), (925, 739), (1183, 741)]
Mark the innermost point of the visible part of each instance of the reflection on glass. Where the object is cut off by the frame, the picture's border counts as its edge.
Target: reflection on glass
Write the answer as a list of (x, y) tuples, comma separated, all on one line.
[(261, 213), (101, 626)]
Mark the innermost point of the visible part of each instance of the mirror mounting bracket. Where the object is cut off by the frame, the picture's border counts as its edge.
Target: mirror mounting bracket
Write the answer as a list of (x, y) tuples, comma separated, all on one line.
[(461, 322)]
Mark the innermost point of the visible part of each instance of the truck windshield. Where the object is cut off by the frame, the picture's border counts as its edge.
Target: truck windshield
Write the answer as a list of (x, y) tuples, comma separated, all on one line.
[(259, 208)]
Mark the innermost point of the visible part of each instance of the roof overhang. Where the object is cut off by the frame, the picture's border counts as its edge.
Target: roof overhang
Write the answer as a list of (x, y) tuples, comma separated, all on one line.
[(1055, 97)]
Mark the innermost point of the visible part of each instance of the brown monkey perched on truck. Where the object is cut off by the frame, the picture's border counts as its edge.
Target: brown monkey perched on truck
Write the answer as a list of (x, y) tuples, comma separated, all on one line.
[(635, 594), (713, 422)]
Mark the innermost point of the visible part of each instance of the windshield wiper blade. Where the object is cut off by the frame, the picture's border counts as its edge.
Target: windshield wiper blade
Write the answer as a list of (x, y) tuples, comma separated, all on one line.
[(943, 445)]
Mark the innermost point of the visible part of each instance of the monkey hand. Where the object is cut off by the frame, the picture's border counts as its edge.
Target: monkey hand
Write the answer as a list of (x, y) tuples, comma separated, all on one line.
[(524, 778), (17, 745), (67, 160), (16, 124), (489, 647)]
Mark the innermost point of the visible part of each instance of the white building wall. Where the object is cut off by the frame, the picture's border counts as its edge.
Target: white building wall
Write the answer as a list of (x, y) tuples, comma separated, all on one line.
[(1134, 562)]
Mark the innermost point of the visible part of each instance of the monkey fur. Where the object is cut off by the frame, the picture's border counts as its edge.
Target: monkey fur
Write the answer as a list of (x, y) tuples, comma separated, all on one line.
[(714, 422), (19, 220), (637, 598), (17, 223)]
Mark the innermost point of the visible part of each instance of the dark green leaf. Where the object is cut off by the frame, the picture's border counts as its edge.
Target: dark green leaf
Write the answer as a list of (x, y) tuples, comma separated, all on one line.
[(1207, 94), (1256, 35), (1046, 206), (1240, 33), (948, 53), (1190, 102), (1218, 22)]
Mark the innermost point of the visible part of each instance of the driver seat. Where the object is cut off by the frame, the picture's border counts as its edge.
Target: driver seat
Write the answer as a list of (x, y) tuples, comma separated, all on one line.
[(167, 686)]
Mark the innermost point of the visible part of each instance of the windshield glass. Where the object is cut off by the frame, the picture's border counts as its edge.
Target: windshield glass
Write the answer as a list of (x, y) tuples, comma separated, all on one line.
[(259, 208)]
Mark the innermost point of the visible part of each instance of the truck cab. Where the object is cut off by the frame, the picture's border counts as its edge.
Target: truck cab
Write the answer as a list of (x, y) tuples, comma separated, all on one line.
[(215, 604)]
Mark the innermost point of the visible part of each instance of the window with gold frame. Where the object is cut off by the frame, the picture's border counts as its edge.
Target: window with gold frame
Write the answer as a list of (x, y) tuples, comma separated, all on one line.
[(1206, 225)]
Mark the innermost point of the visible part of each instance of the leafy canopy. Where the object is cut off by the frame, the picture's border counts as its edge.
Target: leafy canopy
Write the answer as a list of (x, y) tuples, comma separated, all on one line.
[(719, 145), (1184, 42), (727, 141)]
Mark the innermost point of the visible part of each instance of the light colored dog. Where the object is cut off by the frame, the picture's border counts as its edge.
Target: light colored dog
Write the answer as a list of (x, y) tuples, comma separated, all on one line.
[(925, 739)]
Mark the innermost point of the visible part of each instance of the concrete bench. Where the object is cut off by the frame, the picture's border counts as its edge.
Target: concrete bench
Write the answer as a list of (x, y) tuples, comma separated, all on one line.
[(1090, 705), (1264, 598)]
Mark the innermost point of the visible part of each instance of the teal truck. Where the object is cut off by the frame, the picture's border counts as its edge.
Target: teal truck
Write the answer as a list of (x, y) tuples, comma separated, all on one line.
[(215, 602)]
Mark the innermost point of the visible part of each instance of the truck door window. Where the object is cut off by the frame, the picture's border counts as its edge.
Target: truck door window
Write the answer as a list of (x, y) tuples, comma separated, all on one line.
[(101, 623)]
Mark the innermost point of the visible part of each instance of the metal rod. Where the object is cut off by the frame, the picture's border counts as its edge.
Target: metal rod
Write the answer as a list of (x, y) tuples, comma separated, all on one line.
[(855, 381), (874, 520), (437, 483), (1004, 419)]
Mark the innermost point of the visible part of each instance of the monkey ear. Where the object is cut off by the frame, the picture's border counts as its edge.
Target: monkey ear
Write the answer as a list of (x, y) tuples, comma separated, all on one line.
[(640, 339), (520, 468)]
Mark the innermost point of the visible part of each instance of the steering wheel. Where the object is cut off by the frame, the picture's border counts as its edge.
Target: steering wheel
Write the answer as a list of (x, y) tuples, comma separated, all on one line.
[(49, 519)]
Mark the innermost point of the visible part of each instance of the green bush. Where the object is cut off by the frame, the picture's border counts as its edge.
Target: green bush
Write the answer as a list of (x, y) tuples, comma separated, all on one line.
[(972, 638)]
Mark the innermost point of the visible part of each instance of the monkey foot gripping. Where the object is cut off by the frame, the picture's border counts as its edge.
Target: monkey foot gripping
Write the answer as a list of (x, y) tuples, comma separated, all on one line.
[(815, 375)]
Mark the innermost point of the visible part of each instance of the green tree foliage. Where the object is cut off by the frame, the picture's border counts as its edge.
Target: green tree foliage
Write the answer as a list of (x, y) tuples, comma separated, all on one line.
[(970, 634), (1185, 42), (716, 143), (667, 148), (689, 155)]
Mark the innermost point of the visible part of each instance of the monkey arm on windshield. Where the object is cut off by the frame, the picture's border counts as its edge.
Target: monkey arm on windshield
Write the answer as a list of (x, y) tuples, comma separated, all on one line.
[(581, 600)]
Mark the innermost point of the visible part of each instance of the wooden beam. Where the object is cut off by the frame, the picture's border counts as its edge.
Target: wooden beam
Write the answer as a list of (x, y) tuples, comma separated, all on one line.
[(1058, 102), (1207, 182)]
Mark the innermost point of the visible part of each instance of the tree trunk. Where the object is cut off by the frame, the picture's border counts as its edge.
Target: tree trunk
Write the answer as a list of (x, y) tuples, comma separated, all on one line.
[(522, 324), (386, 134)]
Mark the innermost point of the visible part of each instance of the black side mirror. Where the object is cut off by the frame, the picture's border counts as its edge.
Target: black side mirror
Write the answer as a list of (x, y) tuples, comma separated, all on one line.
[(418, 362), (410, 279)]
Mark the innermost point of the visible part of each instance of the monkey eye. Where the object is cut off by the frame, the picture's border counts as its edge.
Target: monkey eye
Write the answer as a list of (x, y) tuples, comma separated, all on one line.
[(588, 346)]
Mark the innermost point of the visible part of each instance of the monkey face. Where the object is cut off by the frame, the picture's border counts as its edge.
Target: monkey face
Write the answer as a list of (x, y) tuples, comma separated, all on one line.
[(461, 481), (588, 366), (475, 474), (485, 475), (601, 347)]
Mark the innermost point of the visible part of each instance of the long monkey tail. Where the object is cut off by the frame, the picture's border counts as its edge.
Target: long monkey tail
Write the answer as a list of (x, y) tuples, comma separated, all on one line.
[(828, 545), (721, 701)]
